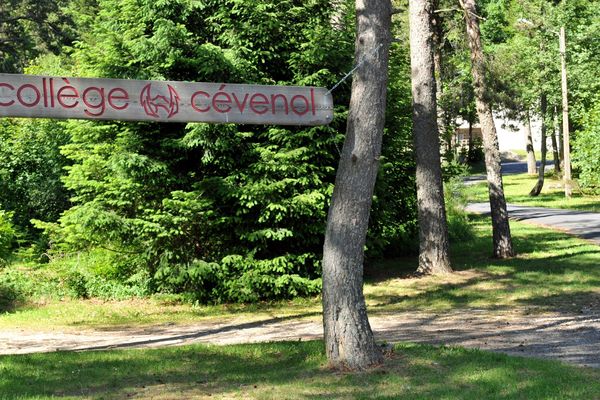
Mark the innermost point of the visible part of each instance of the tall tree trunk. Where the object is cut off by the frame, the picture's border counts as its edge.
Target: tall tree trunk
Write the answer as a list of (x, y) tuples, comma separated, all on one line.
[(349, 341), (438, 38), (470, 154), (503, 247), (561, 143), (337, 16), (555, 136), (531, 165), (565, 107), (537, 189), (433, 228)]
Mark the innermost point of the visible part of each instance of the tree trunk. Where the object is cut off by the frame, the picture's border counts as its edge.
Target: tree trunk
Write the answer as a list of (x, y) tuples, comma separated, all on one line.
[(337, 16), (537, 189), (438, 37), (531, 165), (565, 106), (433, 228), (349, 340), (561, 143), (555, 135), (470, 154), (503, 247)]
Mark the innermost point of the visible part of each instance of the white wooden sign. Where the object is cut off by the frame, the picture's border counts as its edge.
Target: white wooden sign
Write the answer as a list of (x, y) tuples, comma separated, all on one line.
[(165, 101)]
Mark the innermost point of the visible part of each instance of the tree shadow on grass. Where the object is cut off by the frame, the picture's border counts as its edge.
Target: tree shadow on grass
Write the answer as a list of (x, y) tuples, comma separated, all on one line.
[(167, 337), (288, 370), (552, 272)]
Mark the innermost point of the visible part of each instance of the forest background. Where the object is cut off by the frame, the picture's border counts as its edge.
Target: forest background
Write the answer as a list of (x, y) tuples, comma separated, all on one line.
[(231, 213)]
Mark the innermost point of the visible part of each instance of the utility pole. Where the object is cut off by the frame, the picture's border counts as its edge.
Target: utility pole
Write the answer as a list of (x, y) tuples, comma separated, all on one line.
[(565, 107)]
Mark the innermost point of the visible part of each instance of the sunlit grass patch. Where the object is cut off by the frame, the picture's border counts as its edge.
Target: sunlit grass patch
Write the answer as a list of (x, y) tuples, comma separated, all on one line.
[(552, 272), (517, 188), (287, 370)]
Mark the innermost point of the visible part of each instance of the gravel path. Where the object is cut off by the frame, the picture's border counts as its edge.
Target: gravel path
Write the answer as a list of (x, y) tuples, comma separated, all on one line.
[(571, 338)]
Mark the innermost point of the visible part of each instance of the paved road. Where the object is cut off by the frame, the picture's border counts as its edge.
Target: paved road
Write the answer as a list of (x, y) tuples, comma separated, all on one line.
[(520, 167), (508, 168), (579, 223)]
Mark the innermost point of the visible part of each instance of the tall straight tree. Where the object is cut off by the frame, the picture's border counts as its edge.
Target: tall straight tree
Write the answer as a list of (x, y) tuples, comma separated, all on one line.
[(503, 247), (537, 189), (349, 339), (531, 163), (433, 228)]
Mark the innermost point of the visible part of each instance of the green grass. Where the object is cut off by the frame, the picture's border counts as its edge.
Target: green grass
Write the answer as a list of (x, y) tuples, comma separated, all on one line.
[(523, 154), (552, 272), (517, 188), (75, 314), (288, 371)]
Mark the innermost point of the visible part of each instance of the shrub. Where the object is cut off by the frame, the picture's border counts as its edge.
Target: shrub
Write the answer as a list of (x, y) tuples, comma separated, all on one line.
[(586, 149), (240, 279), (220, 212), (459, 228), (14, 288), (8, 236), (98, 273)]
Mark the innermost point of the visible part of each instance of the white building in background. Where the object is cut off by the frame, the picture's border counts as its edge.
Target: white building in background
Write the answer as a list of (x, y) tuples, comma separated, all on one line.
[(511, 134)]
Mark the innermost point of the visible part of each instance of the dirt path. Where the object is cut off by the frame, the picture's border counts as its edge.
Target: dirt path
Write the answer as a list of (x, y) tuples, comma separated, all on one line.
[(571, 338)]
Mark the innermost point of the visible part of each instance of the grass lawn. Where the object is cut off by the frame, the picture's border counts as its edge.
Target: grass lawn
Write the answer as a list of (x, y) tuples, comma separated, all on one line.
[(288, 371), (552, 272), (517, 188)]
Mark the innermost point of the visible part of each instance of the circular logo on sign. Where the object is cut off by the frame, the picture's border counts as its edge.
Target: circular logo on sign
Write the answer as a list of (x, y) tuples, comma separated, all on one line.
[(152, 104)]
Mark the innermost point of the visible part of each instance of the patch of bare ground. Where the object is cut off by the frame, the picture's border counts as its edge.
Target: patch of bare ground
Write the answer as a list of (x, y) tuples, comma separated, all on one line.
[(573, 338)]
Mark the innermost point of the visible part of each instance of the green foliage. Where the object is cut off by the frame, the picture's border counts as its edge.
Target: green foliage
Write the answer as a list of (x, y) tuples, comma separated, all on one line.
[(393, 220), (240, 279), (459, 227), (586, 151), (454, 169), (99, 273), (31, 28), (8, 236), (219, 212), (496, 27), (31, 169), (10, 291)]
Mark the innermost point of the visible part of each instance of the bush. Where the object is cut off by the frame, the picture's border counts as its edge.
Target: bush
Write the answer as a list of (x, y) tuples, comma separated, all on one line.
[(585, 152), (239, 279), (221, 212), (100, 274), (459, 228), (14, 288), (8, 236), (454, 169)]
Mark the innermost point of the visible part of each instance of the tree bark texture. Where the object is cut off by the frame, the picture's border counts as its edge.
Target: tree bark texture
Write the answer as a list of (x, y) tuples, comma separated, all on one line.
[(555, 150), (531, 164), (537, 189), (438, 39), (433, 228), (470, 141), (502, 241), (337, 16), (565, 107), (561, 143), (349, 339)]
